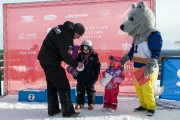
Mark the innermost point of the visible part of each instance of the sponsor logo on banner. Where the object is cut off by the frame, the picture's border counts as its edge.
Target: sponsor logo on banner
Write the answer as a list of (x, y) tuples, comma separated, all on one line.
[(129, 67), (120, 32), (178, 74), (28, 36), (94, 32), (178, 83), (76, 16), (126, 46), (50, 17), (124, 15), (27, 18), (20, 68), (104, 14)]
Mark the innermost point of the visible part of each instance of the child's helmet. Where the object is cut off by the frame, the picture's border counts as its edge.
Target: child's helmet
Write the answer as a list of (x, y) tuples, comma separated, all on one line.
[(86, 44)]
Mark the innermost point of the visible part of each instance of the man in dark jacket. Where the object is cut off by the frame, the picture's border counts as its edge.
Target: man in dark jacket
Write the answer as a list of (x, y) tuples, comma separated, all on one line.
[(55, 48)]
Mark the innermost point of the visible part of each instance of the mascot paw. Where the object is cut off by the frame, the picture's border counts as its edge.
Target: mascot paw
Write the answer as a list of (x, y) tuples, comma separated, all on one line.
[(149, 68), (124, 59)]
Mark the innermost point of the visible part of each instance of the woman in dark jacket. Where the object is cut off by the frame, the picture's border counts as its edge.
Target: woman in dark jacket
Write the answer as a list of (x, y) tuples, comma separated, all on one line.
[(55, 49)]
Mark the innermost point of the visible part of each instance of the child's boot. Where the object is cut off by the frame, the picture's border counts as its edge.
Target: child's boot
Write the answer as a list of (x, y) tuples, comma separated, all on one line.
[(91, 107), (79, 106)]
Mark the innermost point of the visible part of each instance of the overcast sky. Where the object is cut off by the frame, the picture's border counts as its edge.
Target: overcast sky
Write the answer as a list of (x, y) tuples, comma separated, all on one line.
[(167, 21)]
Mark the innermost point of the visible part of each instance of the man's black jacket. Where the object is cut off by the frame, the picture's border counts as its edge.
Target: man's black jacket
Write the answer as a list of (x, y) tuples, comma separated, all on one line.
[(56, 45)]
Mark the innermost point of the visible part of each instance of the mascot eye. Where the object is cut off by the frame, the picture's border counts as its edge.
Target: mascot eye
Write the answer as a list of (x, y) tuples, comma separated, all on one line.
[(131, 18)]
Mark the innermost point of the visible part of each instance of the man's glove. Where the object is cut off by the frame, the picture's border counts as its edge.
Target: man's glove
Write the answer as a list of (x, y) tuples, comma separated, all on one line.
[(149, 68)]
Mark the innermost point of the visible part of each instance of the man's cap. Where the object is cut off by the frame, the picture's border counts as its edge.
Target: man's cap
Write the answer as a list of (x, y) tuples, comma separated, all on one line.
[(79, 28)]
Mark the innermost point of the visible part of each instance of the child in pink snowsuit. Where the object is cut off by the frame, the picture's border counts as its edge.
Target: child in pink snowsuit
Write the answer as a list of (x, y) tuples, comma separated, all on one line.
[(112, 88)]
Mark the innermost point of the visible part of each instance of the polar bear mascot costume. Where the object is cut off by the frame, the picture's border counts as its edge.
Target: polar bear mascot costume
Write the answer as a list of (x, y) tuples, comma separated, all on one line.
[(145, 52)]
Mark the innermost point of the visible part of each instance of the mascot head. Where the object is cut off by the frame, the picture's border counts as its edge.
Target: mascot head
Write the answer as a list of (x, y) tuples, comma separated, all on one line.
[(141, 20)]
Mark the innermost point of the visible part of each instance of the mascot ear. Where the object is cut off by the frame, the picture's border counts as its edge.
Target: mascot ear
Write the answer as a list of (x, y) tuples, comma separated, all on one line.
[(133, 5), (142, 6)]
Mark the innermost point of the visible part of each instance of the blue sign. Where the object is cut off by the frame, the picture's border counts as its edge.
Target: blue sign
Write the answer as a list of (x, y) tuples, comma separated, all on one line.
[(170, 74)]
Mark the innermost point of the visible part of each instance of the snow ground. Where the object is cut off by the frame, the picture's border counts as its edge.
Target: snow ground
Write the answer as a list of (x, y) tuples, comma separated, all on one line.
[(11, 109)]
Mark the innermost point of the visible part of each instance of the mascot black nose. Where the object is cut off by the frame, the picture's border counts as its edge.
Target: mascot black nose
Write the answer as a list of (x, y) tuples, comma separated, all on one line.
[(122, 27)]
